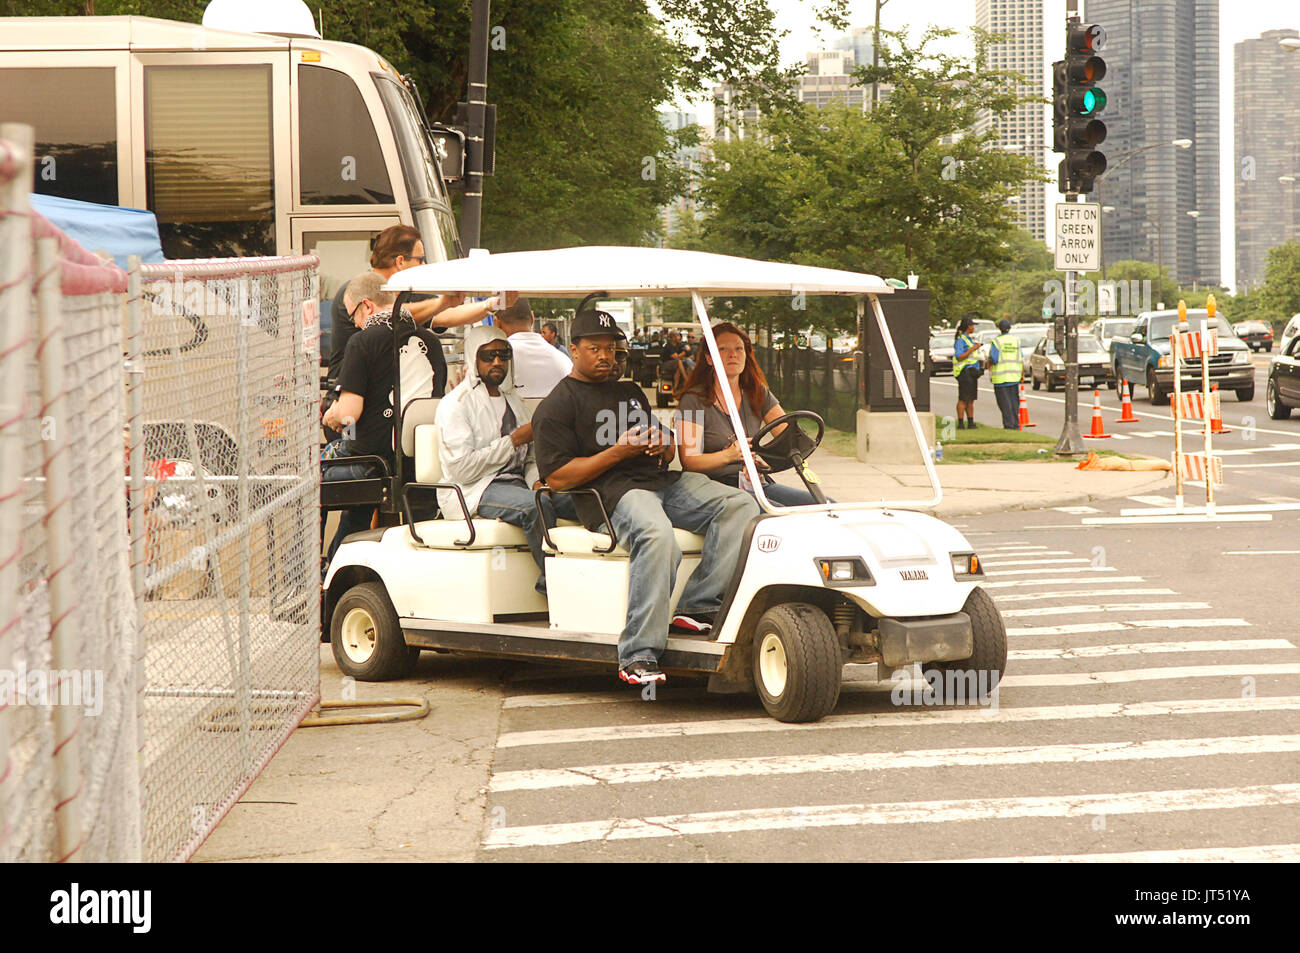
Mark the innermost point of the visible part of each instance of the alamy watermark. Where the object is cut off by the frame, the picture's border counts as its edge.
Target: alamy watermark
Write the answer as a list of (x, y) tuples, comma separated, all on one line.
[(234, 297), (44, 688), (946, 687)]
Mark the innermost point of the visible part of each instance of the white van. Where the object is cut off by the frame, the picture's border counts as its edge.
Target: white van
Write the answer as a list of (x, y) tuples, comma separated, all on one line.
[(1291, 330), (240, 143)]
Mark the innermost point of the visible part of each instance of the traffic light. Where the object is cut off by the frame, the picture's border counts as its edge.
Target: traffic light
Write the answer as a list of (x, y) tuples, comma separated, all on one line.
[(1076, 102)]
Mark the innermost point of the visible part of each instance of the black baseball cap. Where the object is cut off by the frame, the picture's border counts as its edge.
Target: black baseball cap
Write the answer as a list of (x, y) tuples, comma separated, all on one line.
[(592, 322)]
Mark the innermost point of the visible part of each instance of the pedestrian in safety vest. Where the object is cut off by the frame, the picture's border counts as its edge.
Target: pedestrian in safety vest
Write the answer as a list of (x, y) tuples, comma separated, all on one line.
[(1008, 367), (966, 368)]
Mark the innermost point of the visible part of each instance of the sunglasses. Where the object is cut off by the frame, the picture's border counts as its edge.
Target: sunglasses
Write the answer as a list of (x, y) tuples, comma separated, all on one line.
[(491, 355)]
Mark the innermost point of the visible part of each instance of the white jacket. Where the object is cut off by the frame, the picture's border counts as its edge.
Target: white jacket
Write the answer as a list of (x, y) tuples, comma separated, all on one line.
[(471, 449)]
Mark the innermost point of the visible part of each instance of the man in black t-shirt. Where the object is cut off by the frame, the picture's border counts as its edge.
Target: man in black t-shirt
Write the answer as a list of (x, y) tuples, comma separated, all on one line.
[(363, 412), (596, 433)]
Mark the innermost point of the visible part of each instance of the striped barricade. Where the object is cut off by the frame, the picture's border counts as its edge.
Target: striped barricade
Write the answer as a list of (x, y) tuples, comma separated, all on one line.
[(1191, 345), (1194, 406), (1192, 466)]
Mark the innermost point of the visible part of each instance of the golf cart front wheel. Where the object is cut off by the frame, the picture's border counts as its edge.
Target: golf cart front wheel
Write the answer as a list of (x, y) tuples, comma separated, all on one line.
[(982, 670), (797, 663), (366, 637)]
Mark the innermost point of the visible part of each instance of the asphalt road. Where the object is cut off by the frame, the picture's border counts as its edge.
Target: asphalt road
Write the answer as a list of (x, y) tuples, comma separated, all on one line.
[(1148, 712), (1261, 456)]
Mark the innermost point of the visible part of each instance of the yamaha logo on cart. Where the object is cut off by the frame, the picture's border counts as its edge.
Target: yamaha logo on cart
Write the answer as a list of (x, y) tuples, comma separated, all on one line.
[(913, 575), (768, 544)]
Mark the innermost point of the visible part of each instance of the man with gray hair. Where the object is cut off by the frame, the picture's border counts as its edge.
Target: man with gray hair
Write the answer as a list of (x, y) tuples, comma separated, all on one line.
[(363, 412)]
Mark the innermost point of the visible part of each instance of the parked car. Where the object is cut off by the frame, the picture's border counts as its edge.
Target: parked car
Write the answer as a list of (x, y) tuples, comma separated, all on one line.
[(1029, 335), (1046, 367), (1145, 357), (1282, 392), (1292, 330), (1258, 335), (941, 354), (1106, 330)]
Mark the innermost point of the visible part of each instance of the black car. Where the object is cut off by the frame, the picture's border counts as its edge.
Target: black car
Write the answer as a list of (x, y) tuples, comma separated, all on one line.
[(1258, 335), (1283, 389)]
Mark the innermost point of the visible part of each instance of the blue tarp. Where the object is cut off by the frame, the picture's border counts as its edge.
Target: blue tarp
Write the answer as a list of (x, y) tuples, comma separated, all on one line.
[(118, 231)]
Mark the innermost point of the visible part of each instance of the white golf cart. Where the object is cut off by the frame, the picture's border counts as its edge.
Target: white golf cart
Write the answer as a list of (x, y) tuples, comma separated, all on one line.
[(815, 587)]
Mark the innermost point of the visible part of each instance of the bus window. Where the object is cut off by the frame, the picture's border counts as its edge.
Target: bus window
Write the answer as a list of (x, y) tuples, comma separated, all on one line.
[(424, 185), (343, 255), (339, 158), (208, 161), (76, 144)]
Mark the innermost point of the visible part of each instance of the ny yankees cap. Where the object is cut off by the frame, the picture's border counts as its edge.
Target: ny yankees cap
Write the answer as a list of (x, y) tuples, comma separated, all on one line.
[(591, 323)]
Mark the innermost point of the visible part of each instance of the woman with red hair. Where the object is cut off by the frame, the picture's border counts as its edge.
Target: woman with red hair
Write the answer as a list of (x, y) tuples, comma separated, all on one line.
[(708, 441)]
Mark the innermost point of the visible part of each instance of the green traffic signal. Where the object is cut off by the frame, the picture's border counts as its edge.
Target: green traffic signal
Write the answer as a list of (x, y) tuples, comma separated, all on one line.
[(1094, 101)]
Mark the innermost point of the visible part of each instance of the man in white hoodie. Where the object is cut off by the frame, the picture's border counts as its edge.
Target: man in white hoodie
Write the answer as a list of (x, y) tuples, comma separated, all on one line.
[(486, 445)]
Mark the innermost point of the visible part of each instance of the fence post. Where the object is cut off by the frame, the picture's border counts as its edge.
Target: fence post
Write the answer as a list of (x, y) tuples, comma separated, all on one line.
[(52, 359), (15, 297)]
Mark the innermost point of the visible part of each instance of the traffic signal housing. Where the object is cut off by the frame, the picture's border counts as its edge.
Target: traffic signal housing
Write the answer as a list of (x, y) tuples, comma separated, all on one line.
[(1076, 102)]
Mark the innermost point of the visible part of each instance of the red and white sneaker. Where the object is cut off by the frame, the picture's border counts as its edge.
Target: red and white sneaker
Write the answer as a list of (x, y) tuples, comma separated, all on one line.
[(686, 623), (641, 672)]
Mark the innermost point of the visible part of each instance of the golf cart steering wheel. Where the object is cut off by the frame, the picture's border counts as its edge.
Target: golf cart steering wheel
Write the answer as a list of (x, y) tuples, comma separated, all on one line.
[(777, 454)]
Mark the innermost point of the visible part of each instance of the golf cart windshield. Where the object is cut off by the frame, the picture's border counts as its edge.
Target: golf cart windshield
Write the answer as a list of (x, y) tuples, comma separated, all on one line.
[(623, 272)]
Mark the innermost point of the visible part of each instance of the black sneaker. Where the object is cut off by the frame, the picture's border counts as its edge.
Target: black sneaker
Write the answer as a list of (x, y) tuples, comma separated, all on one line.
[(641, 672), (686, 623)]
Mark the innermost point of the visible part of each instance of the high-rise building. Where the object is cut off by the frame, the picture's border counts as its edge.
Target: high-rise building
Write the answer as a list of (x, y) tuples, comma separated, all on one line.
[(731, 120), (688, 157), (858, 42), (1266, 148), (1162, 84), (829, 78), (1022, 130)]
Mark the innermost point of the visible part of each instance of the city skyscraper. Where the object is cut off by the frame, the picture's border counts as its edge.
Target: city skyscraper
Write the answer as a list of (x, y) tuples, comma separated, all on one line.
[(1266, 148), (829, 78), (1162, 84), (1022, 130)]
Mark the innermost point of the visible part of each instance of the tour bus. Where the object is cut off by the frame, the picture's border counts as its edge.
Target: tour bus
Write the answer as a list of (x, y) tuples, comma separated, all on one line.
[(240, 143)]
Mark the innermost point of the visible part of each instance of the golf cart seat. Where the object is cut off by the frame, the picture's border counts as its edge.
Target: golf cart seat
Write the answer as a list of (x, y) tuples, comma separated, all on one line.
[(579, 541)]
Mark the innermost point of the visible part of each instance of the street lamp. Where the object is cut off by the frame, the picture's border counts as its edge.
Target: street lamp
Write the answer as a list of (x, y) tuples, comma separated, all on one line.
[(1104, 208), (1160, 252), (1125, 157)]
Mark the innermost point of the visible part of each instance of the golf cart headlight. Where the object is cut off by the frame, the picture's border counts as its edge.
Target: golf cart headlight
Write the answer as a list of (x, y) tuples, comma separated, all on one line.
[(844, 571), (966, 564)]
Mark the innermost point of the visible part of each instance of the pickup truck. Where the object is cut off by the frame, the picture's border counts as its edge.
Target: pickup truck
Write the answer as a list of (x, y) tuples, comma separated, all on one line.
[(1144, 357)]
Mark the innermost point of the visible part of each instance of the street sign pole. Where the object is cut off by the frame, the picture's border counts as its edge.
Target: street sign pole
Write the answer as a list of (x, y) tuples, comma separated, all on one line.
[(1071, 442)]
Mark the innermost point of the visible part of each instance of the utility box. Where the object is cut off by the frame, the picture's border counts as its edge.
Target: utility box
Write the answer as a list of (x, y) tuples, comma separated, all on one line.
[(908, 315)]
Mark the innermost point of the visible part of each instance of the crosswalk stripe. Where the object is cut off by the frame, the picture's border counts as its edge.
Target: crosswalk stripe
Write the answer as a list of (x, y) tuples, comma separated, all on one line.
[(1152, 648), (1076, 627), (1040, 572), (1117, 607), (1064, 679), (997, 547), (1108, 751), (998, 563), (1017, 583), (1075, 594), (900, 812), (910, 717), (1003, 556), (1262, 853)]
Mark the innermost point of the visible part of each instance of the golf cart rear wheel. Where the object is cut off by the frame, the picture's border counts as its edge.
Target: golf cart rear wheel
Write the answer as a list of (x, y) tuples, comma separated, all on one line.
[(983, 668), (366, 637), (797, 663)]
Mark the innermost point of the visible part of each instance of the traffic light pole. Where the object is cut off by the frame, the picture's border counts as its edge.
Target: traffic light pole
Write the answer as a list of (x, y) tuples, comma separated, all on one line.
[(1071, 442)]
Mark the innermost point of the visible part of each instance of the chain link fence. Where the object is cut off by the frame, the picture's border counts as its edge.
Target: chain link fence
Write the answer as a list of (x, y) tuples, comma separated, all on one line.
[(159, 536)]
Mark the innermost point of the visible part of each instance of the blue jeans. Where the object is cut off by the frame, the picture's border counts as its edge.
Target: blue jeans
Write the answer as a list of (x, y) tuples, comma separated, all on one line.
[(644, 521), (783, 495), (1008, 396), (357, 519), (514, 503)]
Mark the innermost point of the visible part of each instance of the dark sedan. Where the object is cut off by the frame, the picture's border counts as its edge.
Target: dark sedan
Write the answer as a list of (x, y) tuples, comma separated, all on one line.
[(1284, 382), (1258, 335)]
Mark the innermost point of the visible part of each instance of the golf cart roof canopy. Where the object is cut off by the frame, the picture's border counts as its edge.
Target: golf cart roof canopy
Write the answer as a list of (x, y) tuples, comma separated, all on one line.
[(628, 272)]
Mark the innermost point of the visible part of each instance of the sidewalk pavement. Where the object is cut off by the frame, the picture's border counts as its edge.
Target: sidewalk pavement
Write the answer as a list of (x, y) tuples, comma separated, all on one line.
[(417, 791)]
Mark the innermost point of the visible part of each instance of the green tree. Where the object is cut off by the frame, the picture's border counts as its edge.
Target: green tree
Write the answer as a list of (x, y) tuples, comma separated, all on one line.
[(1280, 295), (906, 188)]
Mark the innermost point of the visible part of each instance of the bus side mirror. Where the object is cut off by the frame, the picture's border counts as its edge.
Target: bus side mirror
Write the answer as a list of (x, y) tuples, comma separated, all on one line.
[(449, 149)]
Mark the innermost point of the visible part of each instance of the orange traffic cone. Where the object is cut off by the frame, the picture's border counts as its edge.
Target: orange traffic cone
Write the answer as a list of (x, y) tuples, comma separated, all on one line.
[(1097, 430), (1216, 424), (1024, 410), (1126, 415)]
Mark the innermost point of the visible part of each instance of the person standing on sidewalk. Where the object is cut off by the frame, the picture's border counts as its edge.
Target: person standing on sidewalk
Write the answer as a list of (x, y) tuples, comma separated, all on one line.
[(966, 368), (1008, 369)]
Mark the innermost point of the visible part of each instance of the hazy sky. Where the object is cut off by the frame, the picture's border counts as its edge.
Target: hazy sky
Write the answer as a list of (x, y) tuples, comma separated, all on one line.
[(1239, 20)]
